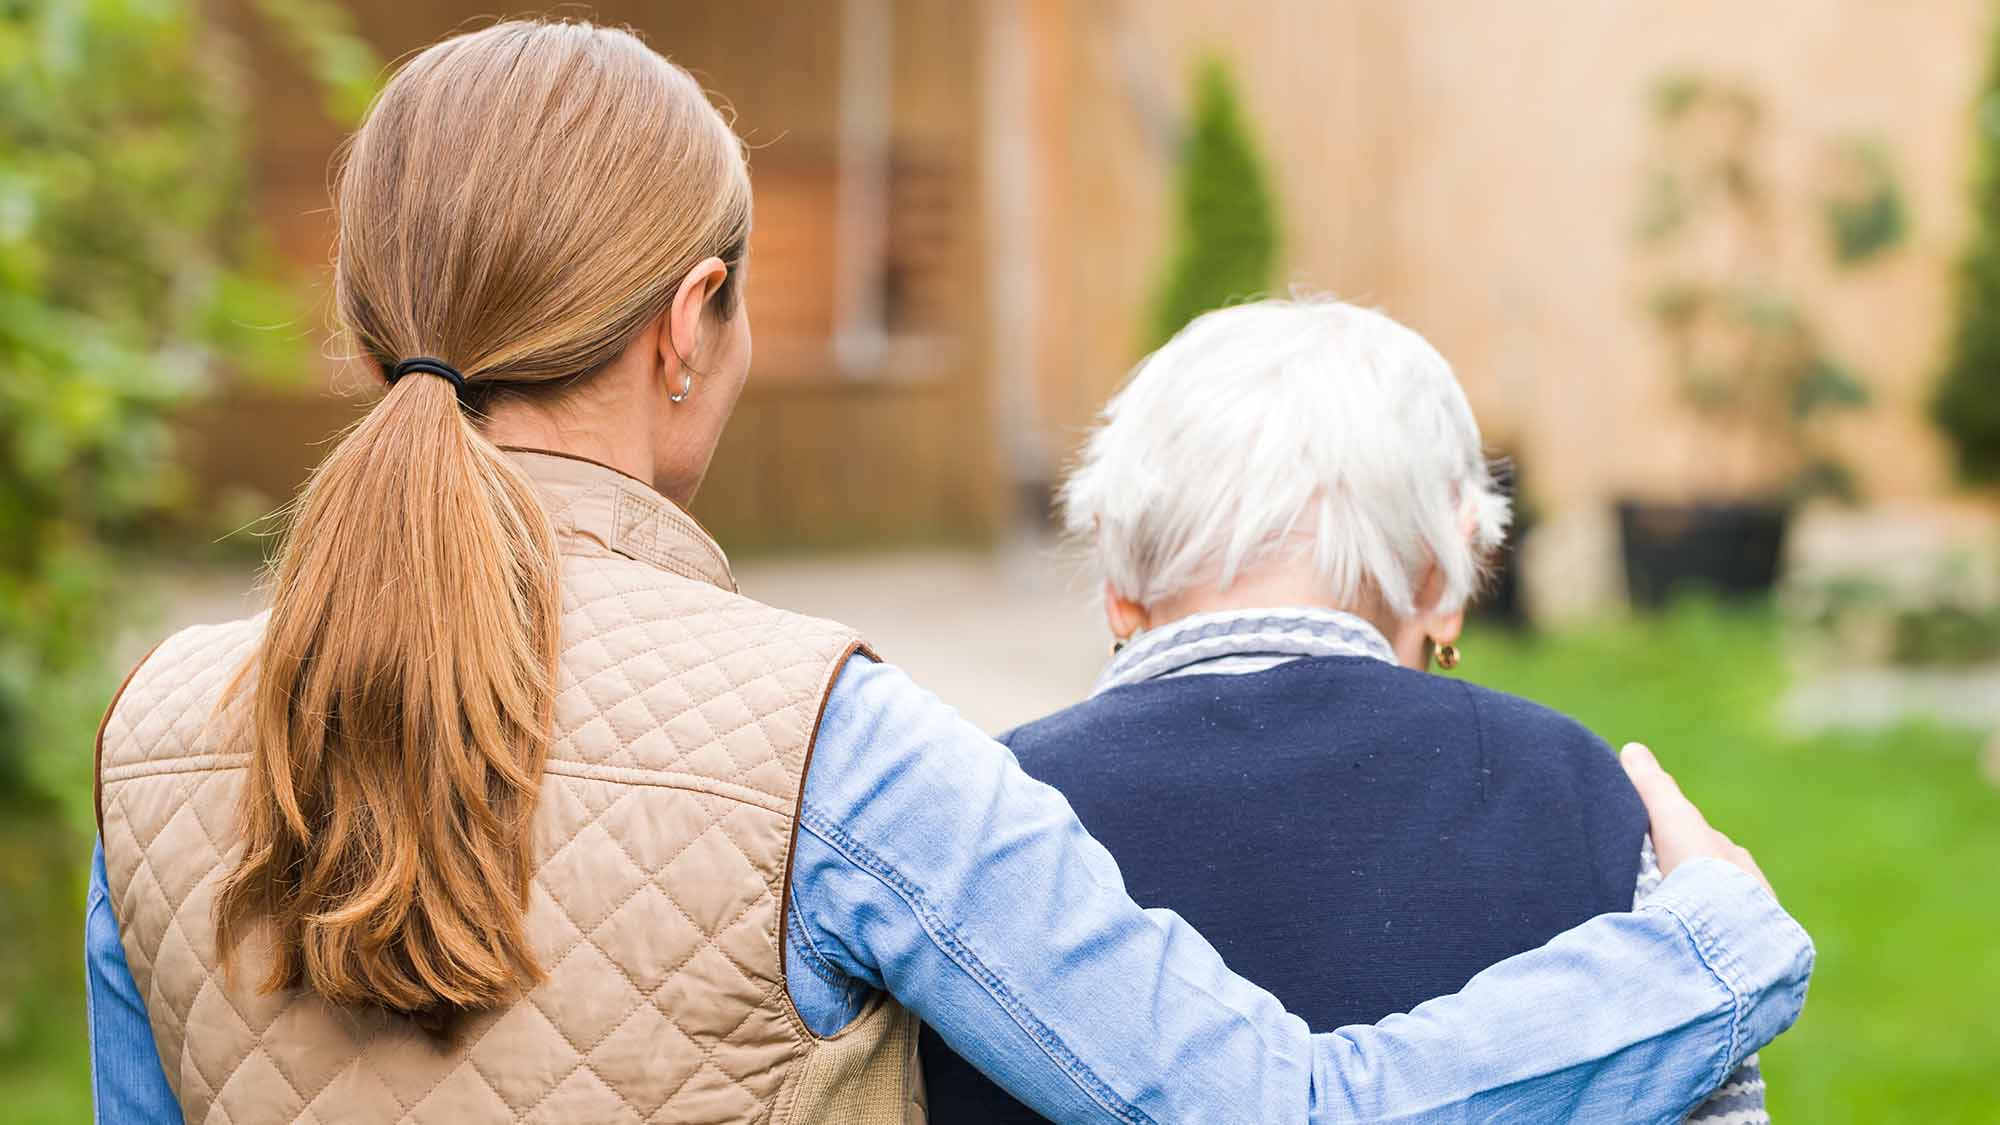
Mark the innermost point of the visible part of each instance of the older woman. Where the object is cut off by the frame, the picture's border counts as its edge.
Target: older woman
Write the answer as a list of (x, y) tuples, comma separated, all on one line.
[(1290, 509)]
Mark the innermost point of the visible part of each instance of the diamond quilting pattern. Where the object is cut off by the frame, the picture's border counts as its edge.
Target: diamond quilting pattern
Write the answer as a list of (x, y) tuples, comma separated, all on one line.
[(683, 717)]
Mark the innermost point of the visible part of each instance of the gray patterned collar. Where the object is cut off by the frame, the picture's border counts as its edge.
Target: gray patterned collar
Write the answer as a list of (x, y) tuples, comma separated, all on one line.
[(1239, 641)]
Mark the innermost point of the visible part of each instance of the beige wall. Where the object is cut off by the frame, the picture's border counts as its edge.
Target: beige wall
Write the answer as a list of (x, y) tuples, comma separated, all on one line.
[(1474, 169)]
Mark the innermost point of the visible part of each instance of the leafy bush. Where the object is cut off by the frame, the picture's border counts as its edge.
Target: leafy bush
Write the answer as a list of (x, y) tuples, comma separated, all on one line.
[(1944, 614), (1225, 228), (129, 271), (1968, 401), (122, 195)]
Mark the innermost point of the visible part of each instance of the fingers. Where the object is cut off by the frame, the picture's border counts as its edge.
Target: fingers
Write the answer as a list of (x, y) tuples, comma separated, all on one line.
[(1665, 804), (1741, 857), (1680, 831)]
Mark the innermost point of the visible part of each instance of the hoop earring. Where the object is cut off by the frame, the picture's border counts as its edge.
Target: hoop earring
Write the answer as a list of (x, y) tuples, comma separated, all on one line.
[(1447, 657), (687, 384)]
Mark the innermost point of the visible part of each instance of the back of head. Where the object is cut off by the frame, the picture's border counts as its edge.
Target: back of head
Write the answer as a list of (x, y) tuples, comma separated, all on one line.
[(520, 203), (1286, 427)]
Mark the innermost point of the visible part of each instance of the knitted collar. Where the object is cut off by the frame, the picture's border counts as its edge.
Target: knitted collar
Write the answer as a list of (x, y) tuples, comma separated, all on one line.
[(1236, 641)]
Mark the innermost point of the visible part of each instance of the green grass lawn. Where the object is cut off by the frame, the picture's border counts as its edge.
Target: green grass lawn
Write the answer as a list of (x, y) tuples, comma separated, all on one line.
[(1885, 845)]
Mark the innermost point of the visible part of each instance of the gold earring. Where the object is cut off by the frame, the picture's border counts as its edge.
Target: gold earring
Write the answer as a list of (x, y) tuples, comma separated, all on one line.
[(1447, 657)]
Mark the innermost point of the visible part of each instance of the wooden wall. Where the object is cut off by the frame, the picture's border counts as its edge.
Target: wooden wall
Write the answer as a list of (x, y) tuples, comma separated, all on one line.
[(815, 455), (1475, 170)]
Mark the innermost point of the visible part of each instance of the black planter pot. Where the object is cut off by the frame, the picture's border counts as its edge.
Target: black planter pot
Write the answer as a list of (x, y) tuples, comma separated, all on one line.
[(1502, 602), (1728, 549)]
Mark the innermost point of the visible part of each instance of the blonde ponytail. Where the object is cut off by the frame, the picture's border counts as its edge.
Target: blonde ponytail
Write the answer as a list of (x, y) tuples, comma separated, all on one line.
[(402, 710), (520, 203)]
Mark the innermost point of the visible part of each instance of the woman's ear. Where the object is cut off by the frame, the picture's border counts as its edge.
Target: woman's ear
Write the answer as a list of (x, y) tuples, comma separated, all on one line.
[(1123, 616), (1444, 628), (682, 335), (1440, 627), (1415, 636)]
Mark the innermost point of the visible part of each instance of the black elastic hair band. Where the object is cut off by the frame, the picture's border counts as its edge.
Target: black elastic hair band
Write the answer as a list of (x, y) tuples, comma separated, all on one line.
[(429, 365)]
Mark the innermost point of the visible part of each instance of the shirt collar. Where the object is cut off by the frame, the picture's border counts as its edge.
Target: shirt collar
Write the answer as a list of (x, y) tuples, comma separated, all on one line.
[(1282, 634), (599, 507)]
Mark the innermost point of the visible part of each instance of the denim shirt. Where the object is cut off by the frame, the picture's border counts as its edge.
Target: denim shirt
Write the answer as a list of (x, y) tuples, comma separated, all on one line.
[(928, 865)]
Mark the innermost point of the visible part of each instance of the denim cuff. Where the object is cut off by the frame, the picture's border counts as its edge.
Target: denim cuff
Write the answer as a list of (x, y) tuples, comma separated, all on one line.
[(1758, 952)]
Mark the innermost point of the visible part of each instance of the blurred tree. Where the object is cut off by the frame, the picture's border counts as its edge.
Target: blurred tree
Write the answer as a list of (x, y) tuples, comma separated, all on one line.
[(129, 270), (1225, 226), (1968, 401)]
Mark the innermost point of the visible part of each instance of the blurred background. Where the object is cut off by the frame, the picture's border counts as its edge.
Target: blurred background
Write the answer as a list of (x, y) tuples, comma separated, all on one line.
[(1722, 281)]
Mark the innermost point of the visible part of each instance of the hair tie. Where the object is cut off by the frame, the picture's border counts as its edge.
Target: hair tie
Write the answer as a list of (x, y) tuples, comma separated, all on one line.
[(430, 366)]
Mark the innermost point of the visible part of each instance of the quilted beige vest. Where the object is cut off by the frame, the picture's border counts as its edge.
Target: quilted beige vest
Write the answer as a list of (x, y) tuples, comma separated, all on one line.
[(684, 720)]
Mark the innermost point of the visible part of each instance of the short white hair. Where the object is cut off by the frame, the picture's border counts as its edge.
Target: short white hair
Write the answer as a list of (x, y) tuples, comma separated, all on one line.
[(1285, 427)]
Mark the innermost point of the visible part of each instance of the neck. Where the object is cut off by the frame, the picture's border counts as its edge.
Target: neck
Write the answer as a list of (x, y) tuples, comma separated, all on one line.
[(582, 425), (1291, 587), (1268, 588)]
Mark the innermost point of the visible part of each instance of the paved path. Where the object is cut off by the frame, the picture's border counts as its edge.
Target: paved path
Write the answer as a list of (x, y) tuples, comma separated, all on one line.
[(1003, 637)]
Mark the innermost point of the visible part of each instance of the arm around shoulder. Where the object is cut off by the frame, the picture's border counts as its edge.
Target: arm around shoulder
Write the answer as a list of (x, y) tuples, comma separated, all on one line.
[(931, 867)]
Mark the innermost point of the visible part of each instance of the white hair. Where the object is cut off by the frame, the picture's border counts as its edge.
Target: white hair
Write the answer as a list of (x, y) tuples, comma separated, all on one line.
[(1282, 427)]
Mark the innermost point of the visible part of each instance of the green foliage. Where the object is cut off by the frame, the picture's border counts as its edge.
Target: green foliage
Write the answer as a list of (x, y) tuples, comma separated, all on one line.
[(120, 176), (1225, 224), (1865, 212), (1947, 635), (1707, 129), (1826, 383), (1945, 613), (1750, 358), (1968, 401), (117, 166), (1673, 95), (321, 33), (130, 271)]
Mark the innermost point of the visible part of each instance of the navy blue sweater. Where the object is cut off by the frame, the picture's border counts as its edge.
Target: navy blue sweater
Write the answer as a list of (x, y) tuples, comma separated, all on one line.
[(1352, 835)]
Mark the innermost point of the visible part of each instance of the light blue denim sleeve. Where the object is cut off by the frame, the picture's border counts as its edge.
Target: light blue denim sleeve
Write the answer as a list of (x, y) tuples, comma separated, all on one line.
[(126, 1081), (928, 865)]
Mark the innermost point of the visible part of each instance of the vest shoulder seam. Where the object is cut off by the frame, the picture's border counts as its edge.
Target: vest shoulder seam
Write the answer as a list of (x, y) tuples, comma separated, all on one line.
[(617, 775), (666, 779), (190, 763)]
